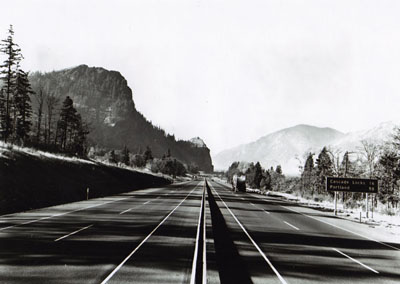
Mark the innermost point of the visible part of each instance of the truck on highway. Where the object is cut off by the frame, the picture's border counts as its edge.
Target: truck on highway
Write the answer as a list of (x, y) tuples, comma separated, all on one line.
[(239, 182)]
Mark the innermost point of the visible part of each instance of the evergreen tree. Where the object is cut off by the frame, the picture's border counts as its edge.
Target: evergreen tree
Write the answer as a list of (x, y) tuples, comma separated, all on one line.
[(232, 170), (347, 168), (265, 183), (250, 175), (66, 122), (51, 102), (23, 109), (8, 76), (308, 174), (390, 174), (113, 157), (148, 155), (40, 95), (71, 132), (257, 175), (125, 156), (2, 112), (324, 168), (278, 169), (78, 136)]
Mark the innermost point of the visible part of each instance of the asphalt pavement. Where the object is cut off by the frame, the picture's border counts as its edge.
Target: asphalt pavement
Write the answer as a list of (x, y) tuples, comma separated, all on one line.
[(191, 233)]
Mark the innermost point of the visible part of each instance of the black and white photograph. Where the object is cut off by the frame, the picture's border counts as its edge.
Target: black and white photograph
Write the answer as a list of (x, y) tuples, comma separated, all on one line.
[(200, 141)]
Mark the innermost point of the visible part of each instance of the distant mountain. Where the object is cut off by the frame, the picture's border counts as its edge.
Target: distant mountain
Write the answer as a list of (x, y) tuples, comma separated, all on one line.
[(285, 146), (280, 147), (378, 134), (104, 99)]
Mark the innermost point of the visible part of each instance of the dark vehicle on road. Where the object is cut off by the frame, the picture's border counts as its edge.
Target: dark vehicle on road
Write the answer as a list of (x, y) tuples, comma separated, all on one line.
[(239, 183)]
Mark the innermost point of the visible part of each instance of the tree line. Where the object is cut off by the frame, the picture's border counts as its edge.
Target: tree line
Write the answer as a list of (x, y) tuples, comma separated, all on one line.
[(20, 124), (167, 165), (370, 160), (256, 176)]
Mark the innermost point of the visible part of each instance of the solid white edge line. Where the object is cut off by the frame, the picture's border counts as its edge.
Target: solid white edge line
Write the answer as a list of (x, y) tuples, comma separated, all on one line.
[(62, 214), (333, 225), (294, 227), (73, 233), (354, 233), (145, 239), (204, 241), (196, 248), (76, 210), (127, 210), (251, 239), (362, 264)]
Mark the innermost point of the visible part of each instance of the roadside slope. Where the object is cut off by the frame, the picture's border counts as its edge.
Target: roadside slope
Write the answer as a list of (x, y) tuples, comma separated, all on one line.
[(29, 181)]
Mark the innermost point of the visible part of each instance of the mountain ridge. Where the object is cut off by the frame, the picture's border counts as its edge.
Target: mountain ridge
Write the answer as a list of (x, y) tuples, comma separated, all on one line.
[(105, 101), (287, 146)]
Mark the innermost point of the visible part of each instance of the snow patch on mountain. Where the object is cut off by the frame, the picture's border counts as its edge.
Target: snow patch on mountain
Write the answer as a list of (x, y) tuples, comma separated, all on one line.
[(287, 147)]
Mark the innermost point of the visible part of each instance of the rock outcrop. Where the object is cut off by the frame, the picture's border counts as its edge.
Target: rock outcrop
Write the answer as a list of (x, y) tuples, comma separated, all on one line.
[(104, 100)]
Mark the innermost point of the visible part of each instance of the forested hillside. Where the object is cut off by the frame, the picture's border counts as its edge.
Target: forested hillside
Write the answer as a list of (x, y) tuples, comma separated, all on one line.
[(105, 101)]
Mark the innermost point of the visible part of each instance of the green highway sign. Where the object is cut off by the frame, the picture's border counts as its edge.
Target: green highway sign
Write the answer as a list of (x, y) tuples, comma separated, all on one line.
[(351, 184)]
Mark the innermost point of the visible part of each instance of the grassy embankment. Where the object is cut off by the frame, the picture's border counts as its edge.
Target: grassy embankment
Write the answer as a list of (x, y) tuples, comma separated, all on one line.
[(30, 179)]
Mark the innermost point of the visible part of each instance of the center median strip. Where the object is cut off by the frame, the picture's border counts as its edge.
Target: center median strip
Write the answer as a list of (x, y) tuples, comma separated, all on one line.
[(199, 271), (145, 239)]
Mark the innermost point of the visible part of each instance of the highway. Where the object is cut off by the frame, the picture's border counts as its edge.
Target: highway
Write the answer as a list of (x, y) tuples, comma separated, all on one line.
[(191, 233)]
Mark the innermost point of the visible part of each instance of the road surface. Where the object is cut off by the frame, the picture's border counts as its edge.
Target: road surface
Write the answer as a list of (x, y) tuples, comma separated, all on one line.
[(191, 233)]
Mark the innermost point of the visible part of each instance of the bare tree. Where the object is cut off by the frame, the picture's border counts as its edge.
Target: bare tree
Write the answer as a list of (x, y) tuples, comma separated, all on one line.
[(40, 96), (335, 156), (370, 151), (51, 103)]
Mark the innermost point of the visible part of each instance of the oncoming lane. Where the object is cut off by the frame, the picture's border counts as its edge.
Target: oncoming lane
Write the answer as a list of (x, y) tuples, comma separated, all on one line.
[(29, 253)]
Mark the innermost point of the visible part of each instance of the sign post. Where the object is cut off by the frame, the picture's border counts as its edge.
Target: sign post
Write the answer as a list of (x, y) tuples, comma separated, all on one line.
[(335, 197), (336, 184)]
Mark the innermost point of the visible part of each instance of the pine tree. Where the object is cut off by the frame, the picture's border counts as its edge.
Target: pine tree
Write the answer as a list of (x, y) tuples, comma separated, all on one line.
[(8, 75), (66, 122), (40, 95), (125, 156), (113, 157), (22, 105), (148, 155), (51, 102), (308, 174), (346, 168), (2, 112), (390, 174), (266, 181), (324, 168), (257, 175), (278, 170), (78, 133), (71, 131)]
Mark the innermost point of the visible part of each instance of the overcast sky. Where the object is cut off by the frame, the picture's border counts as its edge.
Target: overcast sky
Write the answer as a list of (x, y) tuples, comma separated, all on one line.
[(227, 71)]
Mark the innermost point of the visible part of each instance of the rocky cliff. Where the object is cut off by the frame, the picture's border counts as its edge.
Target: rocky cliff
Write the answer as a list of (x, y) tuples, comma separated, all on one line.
[(104, 99)]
